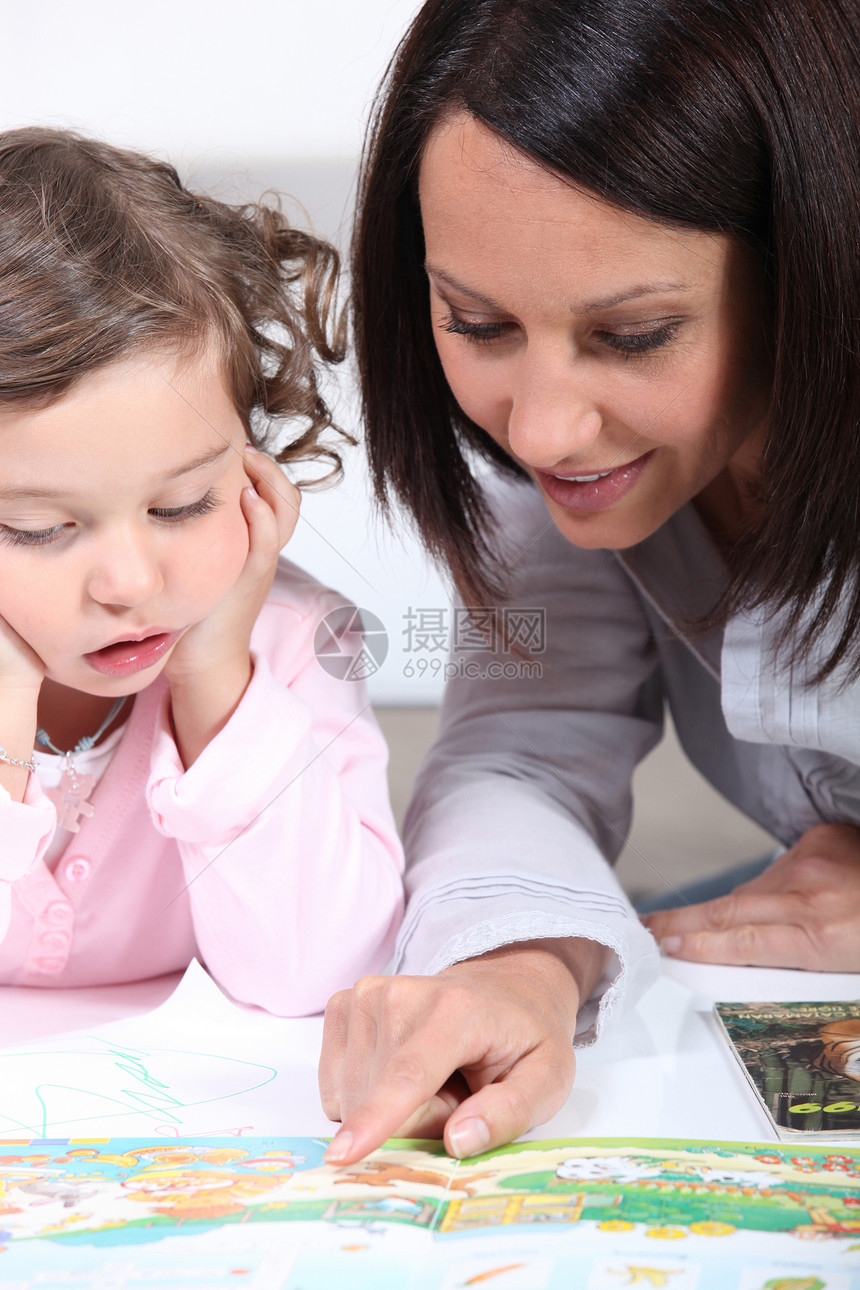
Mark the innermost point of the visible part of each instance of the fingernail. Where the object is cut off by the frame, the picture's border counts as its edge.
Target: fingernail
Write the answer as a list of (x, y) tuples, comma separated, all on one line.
[(469, 1138), (250, 491), (670, 945), (249, 447), (339, 1147)]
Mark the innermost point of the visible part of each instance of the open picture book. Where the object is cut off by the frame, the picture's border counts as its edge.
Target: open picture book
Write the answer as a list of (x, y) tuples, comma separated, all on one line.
[(267, 1213)]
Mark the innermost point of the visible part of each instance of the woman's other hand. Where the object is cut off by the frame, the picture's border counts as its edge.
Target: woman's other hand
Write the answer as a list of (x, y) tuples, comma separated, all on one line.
[(803, 911), (479, 1053)]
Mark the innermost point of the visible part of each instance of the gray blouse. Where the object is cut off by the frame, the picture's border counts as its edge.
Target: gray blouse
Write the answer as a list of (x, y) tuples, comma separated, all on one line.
[(524, 802)]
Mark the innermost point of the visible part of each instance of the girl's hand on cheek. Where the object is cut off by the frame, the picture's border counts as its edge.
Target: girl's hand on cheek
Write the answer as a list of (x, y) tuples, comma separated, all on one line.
[(21, 675), (802, 912), (21, 669), (210, 667)]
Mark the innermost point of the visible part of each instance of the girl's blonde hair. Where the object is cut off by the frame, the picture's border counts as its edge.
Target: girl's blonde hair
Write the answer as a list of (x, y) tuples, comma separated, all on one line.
[(104, 254)]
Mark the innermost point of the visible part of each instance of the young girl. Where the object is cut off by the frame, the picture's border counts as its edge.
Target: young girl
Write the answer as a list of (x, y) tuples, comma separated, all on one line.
[(178, 774), (611, 247)]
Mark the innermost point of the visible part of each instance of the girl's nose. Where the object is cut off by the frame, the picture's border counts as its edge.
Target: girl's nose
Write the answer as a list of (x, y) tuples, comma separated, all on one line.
[(554, 417), (126, 573)]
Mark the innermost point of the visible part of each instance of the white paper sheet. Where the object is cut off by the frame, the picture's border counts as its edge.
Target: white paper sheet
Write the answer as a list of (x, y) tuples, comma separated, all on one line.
[(197, 1065)]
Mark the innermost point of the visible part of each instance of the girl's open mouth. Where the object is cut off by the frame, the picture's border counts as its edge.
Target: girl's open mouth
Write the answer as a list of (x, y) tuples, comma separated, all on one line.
[(124, 658)]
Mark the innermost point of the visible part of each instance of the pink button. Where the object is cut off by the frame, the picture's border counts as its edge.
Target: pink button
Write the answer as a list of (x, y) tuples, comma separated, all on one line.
[(77, 869), (58, 913), (49, 965), (55, 940)]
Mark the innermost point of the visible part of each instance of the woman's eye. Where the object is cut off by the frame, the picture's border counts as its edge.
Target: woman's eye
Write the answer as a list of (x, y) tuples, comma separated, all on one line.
[(631, 344), (31, 537), (176, 514), (478, 332)]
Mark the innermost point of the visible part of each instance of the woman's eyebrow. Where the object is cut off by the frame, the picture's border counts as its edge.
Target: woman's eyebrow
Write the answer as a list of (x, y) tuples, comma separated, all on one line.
[(451, 281), (634, 293), (594, 306)]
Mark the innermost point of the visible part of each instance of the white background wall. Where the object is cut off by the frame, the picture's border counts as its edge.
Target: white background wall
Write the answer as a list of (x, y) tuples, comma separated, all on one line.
[(267, 93), (207, 82)]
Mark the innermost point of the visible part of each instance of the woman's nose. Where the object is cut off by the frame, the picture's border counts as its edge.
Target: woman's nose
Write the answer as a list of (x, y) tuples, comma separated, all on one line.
[(554, 416), (126, 572)]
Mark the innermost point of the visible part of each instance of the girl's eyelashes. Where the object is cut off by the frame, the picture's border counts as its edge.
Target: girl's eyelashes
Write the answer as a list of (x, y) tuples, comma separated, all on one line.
[(166, 514), (30, 537), (177, 514)]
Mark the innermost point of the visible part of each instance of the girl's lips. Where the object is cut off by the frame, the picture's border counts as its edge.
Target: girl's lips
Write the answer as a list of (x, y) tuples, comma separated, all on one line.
[(597, 494), (124, 658)]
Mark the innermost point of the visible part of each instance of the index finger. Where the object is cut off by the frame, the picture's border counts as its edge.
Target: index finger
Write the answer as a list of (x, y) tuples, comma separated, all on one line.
[(510, 1098), (410, 1079)]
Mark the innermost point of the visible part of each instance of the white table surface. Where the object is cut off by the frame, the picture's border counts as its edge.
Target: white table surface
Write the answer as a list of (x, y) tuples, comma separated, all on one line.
[(664, 1071)]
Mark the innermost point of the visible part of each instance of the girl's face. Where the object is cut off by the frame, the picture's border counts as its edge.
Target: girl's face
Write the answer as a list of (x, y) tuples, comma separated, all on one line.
[(623, 363), (120, 518)]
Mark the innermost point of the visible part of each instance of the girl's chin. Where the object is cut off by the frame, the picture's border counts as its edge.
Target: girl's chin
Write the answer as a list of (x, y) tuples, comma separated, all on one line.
[(112, 687)]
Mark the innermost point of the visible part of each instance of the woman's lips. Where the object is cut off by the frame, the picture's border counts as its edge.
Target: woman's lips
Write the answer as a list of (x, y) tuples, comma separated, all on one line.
[(124, 658), (595, 494)]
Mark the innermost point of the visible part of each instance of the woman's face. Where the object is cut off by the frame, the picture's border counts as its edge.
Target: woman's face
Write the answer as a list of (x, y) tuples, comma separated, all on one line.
[(623, 363)]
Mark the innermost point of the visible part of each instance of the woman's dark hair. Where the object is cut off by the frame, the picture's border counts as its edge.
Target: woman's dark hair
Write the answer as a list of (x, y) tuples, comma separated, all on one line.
[(739, 117), (104, 254)]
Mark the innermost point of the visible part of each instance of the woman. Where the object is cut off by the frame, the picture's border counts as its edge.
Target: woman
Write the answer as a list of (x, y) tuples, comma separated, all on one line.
[(611, 247)]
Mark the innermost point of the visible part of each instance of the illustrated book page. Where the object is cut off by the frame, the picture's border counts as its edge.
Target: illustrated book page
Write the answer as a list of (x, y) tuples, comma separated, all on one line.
[(267, 1213)]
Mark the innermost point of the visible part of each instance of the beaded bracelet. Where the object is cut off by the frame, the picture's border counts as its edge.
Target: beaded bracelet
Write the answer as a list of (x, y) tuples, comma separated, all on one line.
[(15, 761)]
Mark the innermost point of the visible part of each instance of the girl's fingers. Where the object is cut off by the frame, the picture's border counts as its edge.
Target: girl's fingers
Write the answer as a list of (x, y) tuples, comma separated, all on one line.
[(272, 485)]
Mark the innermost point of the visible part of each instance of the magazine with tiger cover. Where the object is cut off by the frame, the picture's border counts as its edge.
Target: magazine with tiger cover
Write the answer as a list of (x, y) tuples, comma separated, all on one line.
[(803, 1062)]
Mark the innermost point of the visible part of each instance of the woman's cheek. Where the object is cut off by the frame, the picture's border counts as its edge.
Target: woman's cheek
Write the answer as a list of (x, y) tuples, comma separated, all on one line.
[(481, 401)]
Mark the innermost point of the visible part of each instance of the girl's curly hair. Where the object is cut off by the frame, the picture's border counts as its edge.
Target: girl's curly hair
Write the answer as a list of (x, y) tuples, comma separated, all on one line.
[(104, 254)]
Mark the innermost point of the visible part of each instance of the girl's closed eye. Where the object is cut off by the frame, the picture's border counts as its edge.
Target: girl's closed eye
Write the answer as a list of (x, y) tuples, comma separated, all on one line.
[(178, 514), (32, 537), (166, 514)]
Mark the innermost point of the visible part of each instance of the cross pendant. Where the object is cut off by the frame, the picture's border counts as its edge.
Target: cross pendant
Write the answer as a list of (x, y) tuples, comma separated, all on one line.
[(76, 791), (71, 813)]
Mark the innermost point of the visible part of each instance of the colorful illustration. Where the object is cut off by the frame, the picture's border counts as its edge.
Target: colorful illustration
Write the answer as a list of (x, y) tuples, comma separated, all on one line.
[(803, 1062), (531, 1216)]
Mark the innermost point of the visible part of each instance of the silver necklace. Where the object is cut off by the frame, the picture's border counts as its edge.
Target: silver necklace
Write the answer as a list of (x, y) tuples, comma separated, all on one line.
[(76, 788)]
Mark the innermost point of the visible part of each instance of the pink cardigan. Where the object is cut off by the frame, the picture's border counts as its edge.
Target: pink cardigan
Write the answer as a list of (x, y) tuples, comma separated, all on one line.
[(274, 858)]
